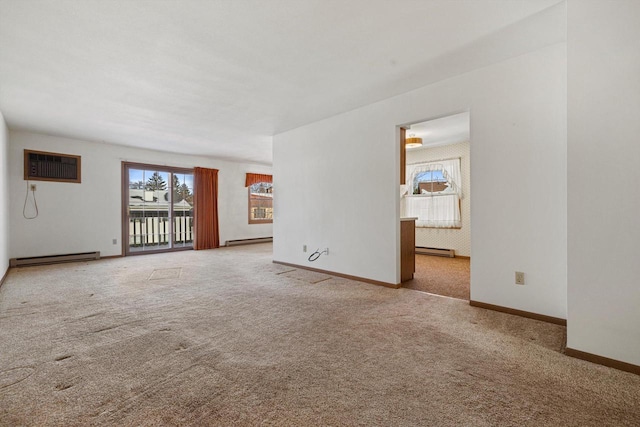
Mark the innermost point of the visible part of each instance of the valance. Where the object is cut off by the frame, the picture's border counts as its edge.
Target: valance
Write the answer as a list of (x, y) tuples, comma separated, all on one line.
[(254, 178), (450, 170)]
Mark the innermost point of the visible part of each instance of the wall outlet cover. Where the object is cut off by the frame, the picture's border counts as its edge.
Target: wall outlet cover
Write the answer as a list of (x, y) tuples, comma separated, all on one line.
[(519, 278)]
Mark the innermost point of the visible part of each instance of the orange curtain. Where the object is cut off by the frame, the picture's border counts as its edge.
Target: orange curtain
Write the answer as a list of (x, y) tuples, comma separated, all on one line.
[(205, 208), (254, 178)]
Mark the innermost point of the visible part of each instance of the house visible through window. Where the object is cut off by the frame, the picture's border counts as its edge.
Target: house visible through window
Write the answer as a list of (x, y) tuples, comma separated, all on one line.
[(260, 202), (430, 181)]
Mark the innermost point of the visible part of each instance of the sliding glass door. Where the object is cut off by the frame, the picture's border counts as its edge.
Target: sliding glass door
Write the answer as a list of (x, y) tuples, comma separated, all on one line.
[(157, 208), (182, 210)]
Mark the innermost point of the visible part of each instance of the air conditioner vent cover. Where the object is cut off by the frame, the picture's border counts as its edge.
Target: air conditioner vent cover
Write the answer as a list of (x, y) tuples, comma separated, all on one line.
[(44, 166)]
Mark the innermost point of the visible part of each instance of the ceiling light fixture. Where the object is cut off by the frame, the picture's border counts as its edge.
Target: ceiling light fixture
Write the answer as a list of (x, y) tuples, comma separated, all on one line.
[(413, 141)]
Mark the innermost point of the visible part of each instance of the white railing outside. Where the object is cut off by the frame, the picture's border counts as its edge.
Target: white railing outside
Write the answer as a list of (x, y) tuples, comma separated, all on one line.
[(154, 231)]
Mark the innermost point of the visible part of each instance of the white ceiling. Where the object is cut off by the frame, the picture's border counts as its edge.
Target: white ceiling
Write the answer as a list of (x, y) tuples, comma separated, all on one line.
[(443, 131), (220, 78)]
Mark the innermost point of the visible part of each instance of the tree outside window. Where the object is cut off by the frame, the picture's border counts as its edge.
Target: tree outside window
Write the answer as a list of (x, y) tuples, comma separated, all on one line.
[(156, 182)]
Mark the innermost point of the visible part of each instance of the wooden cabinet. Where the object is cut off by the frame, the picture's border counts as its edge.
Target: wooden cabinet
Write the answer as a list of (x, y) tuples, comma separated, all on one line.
[(407, 248)]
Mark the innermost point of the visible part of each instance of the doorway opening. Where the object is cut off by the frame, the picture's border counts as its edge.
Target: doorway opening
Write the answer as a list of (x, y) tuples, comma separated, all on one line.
[(157, 208), (436, 191)]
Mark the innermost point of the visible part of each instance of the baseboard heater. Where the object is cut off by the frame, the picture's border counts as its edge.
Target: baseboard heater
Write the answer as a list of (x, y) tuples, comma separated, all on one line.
[(248, 241), (53, 259), (435, 251)]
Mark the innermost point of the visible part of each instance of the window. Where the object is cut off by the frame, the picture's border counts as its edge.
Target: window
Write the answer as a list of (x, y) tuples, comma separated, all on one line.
[(260, 188), (434, 194), (261, 203), (430, 181)]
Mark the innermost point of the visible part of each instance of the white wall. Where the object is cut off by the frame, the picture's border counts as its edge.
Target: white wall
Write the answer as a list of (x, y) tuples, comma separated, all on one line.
[(603, 133), (448, 238), (87, 216), (4, 196), (337, 182)]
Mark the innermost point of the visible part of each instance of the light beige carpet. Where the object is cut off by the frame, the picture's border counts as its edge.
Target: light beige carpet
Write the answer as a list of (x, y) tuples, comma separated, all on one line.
[(449, 277), (225, 337)]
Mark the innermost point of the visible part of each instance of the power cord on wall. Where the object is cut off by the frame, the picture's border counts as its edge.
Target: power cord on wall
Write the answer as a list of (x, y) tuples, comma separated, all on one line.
[(35, 202), (314, 256)]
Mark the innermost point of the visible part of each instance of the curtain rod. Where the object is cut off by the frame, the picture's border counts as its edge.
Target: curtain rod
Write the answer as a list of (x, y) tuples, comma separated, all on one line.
[(433, 161)]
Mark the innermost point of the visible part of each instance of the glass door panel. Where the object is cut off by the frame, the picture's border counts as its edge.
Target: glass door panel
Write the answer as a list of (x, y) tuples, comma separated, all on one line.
[(183, 210), (159, 214)]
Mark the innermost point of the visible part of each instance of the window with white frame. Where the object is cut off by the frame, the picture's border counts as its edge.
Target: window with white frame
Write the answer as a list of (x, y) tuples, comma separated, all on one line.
[(434, 193), (261, 203)]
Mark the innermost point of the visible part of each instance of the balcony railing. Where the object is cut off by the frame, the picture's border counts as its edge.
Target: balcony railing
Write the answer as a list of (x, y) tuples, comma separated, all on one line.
[(155, 231)]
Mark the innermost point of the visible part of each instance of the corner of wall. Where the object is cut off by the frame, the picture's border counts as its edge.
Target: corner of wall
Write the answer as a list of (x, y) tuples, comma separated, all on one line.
[(4, 197)]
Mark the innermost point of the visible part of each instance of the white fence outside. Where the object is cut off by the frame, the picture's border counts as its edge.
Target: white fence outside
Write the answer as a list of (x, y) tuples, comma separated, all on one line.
[(155, 231)]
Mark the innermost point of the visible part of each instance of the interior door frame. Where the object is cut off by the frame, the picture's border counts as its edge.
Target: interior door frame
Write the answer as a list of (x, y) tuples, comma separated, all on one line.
[(400, 135), (125, 205)]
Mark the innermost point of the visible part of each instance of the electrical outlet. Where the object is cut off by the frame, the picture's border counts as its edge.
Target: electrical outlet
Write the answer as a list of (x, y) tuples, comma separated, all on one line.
[(519, 278), (115, 241), (33, 187), (304, 248), (326, 251)]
